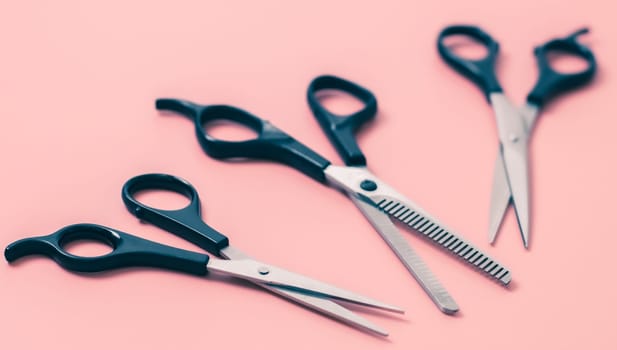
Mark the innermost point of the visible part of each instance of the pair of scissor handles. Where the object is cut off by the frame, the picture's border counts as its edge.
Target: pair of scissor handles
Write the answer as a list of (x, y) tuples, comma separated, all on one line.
[(274, 144), (550, 81), (514, 125), (132, 251), (129, 250)]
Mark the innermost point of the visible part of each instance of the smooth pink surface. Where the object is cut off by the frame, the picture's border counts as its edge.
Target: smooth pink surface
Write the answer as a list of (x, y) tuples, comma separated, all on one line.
[(79, 80)]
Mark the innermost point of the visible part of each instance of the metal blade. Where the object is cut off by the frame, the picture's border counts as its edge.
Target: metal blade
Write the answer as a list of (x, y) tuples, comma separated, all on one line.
[(500, 194), (513, 138), (260, 272), (500, 198), (412, 261), (367, 186), (319, 304), (515, 161), (430, 228), (530, 113)]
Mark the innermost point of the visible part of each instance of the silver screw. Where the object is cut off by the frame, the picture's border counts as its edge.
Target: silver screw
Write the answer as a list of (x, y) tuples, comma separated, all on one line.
[(513, 138), (263, 270)]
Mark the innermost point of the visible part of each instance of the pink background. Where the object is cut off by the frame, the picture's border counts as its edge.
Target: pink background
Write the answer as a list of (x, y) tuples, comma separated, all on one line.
[(79, 82)]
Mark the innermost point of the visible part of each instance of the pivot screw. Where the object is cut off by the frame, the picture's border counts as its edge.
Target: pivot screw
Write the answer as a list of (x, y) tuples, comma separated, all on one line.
[(368, 185), (263, 270), (513, 138)]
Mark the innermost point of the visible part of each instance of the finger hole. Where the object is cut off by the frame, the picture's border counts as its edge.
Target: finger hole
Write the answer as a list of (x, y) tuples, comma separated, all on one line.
[(229, 131), (466, 47), (162, 199), (88, 247), (566, 62), (339, 103)]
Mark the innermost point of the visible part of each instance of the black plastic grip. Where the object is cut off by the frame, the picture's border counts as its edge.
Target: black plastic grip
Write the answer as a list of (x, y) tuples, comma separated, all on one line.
[(185, 222), (550, 82), (128, 251), (480, 71), (270, 143), (340, 129)]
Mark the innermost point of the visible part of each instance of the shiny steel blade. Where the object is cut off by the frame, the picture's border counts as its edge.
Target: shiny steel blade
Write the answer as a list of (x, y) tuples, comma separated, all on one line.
[(368, 187), (260, 272), (530, 113), (515, 161), (412, 261), (500, 194), (319, 304), (513, 141), (500, 198)]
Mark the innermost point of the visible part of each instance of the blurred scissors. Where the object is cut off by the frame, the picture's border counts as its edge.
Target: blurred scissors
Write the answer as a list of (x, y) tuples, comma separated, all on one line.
[(129, 250), (510, 182), (377, 201)]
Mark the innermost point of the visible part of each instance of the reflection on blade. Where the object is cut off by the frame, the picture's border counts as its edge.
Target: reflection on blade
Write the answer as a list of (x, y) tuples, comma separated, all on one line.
[(324, 306), (412, 261), (512, 127), (263, 273), (529, 112), (515, 160), (500, 194), (327, 307), (500, 198)]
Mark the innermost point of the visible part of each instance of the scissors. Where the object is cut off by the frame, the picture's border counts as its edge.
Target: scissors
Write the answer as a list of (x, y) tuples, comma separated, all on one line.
[(375, 199), (514, 125), (129, 251)]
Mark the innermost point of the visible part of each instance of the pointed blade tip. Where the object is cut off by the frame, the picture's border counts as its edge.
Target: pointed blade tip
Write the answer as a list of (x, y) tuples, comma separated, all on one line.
[(525, 235), (381, 332), (390, 308)]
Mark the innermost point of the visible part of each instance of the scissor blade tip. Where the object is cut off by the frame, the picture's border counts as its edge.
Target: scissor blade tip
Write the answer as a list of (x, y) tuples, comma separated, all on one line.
[(391, 308), (492, 232), (449, 309), (506, 279), (376, 304), (368, 326), (379, 331)]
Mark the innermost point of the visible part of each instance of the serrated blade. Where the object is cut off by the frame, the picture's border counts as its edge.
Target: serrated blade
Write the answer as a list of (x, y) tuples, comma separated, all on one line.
[(368, 187), (410, 259), (415, 218)]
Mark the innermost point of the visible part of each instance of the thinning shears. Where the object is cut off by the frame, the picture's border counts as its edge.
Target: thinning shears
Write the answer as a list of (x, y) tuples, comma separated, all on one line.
[(514, 125), (375, 199), (129, 250)]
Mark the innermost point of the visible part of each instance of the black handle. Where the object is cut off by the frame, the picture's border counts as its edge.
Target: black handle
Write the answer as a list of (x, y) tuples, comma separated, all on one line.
[(340, 129), (480, 71), (185, 222), (128, 251), (551, 82), (270, 143)]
